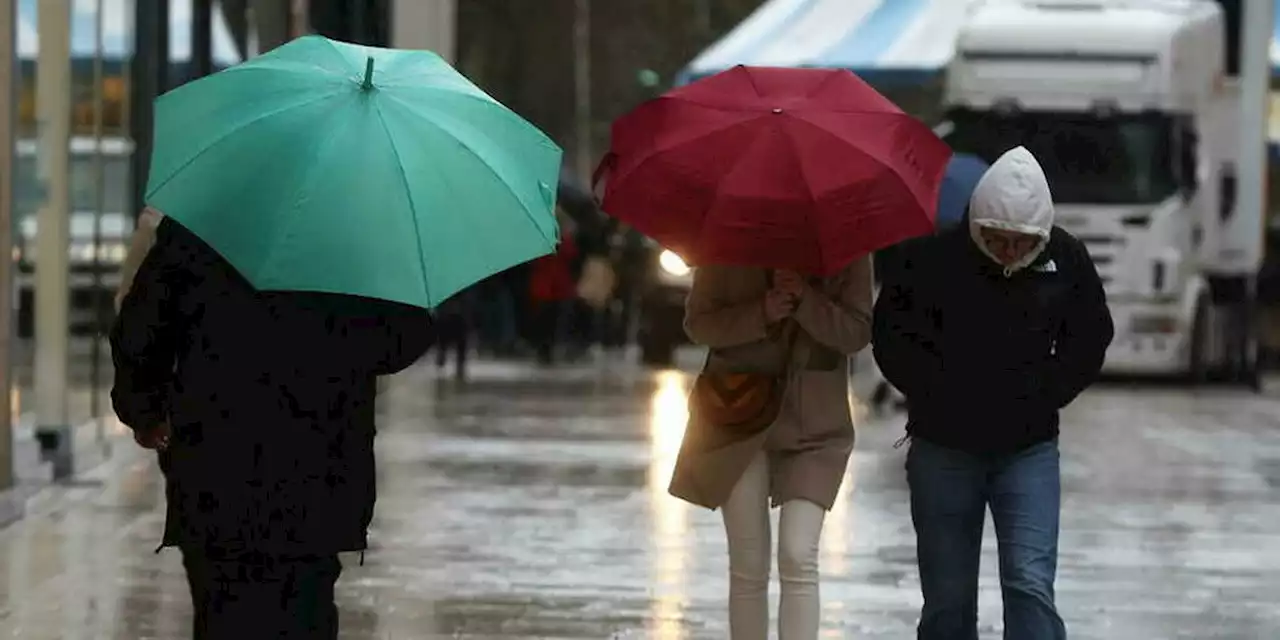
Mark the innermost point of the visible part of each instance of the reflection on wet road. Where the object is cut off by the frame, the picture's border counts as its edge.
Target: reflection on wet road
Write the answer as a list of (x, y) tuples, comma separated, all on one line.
[(532, 504)]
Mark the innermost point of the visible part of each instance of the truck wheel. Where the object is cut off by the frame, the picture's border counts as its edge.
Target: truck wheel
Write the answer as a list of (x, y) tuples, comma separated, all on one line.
[(1198, 358)]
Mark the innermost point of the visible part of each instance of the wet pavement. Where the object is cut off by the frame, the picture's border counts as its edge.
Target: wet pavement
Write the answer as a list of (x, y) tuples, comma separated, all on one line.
[(532, 504)]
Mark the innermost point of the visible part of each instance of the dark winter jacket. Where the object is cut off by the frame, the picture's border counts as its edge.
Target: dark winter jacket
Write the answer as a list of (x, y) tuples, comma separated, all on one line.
[(985, 355), (270, 397)]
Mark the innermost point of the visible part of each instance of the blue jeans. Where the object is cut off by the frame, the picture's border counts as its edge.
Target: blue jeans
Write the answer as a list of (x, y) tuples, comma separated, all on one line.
[(950, 493)]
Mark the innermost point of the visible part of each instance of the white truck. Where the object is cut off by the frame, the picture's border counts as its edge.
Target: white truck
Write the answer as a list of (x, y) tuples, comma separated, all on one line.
[(1149, 117)]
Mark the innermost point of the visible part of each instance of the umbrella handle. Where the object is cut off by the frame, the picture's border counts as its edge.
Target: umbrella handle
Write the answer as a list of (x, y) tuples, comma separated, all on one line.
[(606, 166)]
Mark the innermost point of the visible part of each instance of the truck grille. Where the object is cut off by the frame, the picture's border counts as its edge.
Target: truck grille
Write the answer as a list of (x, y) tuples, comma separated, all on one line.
[(1105, 252)]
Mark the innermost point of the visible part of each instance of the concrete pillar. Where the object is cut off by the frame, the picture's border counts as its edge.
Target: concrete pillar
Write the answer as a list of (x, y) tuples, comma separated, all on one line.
[(8, 52), (53, 118), (425, 24)]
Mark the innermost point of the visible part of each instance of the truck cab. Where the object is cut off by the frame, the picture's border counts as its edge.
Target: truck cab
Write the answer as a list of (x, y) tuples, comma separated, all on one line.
[(1128, 106)]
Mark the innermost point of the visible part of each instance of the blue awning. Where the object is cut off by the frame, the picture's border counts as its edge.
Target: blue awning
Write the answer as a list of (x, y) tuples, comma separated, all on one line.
[(117, 37), (887, 41)]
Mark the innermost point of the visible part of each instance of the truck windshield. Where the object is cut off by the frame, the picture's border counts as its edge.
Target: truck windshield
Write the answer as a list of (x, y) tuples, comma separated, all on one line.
[(1087, 159)]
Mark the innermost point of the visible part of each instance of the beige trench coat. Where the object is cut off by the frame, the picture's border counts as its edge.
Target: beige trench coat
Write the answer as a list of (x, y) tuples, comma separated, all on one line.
[(810, 443)]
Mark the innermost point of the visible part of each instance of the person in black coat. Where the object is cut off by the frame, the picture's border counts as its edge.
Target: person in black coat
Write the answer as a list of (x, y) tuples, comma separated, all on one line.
[(990, 329), (261, 406)]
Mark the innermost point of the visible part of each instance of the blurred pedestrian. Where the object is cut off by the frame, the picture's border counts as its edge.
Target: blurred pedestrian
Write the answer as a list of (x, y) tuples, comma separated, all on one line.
[(595, 287), (784, 340), (496, 311), (635, 267), (453, 324), (261, 406), (990, 329), (552, 291)]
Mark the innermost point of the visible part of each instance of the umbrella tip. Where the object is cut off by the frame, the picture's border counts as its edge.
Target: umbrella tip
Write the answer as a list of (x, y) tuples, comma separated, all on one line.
[(368, 75)]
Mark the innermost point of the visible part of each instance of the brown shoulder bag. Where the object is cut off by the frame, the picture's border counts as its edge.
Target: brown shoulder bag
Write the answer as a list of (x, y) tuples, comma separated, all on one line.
[(741, 403)]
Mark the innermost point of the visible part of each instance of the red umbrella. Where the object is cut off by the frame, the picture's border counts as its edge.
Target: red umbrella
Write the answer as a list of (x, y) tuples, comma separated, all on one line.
[(803, 169)]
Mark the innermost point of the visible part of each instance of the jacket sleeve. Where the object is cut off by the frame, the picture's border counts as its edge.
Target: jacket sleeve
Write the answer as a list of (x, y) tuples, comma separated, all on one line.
[(844, 323), (147, 332), (712, 322), (1087, 330), (904, 330)]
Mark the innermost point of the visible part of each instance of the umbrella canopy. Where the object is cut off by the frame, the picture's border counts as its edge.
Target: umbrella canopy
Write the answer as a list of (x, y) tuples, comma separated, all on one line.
[(962, 176), (332, 167), (804, 169)]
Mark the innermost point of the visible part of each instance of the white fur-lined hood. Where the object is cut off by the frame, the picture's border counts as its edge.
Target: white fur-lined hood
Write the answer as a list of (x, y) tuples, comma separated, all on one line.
[(1013, 196)]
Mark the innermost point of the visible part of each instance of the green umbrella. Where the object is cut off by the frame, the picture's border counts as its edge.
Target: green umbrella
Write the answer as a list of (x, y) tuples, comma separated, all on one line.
[(332, 167)]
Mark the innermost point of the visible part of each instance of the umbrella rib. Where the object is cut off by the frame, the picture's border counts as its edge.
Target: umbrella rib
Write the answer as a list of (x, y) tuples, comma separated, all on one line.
[(481, 98), (736, 108), (413, 206), (813, 200), (716, 195), (828, 132), (483, 162), (317, 149), (822, 85), (659, 151), (885, 166), (231, 131), (286, 66), (469, 92), (730, 108)]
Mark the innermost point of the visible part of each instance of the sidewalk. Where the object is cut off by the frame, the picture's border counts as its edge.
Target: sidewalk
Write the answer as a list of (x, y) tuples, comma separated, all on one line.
[(77, 564), (531, 503), (32, 474)]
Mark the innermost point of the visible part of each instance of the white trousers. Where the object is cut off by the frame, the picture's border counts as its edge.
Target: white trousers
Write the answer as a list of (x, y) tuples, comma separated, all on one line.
[(747, 526)]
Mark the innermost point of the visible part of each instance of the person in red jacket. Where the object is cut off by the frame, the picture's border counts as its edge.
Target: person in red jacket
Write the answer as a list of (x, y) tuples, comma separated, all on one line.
[(552, 289)]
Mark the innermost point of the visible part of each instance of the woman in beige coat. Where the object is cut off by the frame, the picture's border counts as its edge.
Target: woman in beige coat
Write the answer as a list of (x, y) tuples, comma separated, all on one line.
[(748, 317)]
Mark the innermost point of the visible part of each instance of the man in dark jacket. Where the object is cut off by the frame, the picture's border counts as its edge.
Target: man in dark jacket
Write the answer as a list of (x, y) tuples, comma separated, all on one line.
[(989, 330), (262, 408)]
